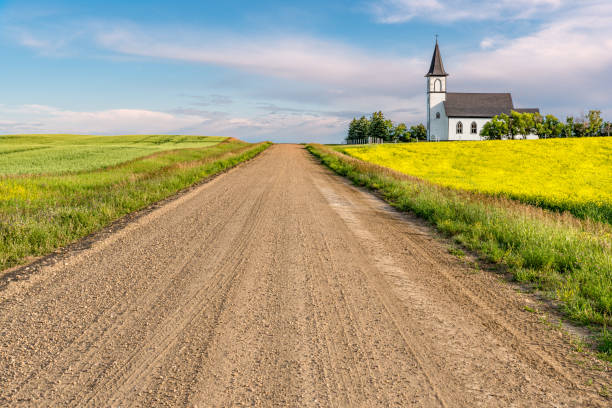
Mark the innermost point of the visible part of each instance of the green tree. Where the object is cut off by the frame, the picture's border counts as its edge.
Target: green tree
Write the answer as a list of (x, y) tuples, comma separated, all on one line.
[(418, 132), (519, 124), (527, 123), (389, 126), (362, 128), (352, 129), (495, 129), (594, 123), (400, 133), (580, 129), (540, 128), (568, 128), (554, 126), (378, 127), (580, 126)]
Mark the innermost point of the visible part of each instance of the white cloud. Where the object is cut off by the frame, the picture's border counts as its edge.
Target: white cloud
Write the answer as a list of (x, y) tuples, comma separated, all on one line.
[(41, 118), (287, 126), (487, 43), (336, 66), (566, 62), (400, 11), (294, 58)]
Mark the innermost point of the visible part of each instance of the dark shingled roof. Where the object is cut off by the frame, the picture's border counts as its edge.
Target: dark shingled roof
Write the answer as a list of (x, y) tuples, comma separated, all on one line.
[(478, 105), (436, 68), (527, 110)]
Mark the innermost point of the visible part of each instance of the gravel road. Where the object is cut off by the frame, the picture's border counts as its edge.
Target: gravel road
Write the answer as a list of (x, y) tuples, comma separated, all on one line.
[(279, 284)]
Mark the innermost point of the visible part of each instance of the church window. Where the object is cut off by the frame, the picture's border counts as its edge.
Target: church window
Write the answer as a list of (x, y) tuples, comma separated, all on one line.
[(459, 128), (474, 128), (437, 115), (437, 85)]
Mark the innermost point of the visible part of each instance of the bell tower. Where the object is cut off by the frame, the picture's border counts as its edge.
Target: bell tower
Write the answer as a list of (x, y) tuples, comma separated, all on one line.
[(437, 121)]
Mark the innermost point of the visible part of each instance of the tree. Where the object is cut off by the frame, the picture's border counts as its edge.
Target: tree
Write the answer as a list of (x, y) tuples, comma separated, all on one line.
[(362, 128), (527, 123), (594, 123), (495, 129), (519, 124), (580, 129), (389, 126), (400, 133), (378, 128), (352, 130), (418, 132), (606, 129), (554, 126), (540, 128), (568, 128)]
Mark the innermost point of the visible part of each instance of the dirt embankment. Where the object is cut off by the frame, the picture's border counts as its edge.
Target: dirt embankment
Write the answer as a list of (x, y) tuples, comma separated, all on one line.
[(278, 284)]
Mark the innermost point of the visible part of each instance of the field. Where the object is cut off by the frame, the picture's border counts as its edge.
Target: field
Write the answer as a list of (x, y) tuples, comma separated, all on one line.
[(84, 183), (568, 258), (53, 154), (572, 175)]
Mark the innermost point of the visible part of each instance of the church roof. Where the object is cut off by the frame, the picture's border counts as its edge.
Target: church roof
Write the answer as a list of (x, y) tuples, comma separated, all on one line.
[(527, 110), (477, 105), (436, 68)]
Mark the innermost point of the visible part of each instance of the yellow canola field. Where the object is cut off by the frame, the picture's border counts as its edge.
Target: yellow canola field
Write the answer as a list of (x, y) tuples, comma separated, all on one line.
[(560, 174)]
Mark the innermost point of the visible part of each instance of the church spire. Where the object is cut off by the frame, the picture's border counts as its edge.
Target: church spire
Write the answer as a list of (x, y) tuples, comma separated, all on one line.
[(436, 68)]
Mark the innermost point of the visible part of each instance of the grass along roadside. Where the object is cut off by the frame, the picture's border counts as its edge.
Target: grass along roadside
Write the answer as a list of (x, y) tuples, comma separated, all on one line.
[(41, 213), (569, 258)]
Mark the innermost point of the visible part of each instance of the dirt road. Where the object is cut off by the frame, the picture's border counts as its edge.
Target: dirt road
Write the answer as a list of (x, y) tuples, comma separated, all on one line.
[(278, 284)]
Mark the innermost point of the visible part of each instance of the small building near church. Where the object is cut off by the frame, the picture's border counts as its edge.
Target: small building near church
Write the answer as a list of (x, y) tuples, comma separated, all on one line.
[(461, 116)]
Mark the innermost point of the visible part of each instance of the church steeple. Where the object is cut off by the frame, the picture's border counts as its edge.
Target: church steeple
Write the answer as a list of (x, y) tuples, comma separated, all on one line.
[(437, 121), (436, 68)]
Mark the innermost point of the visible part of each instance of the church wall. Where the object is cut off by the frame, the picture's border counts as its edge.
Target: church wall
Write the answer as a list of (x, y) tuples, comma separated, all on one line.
[(438, 128), (467, 123)]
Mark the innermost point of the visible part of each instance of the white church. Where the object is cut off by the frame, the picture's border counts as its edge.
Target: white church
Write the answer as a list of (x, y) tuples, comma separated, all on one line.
[(460, 116)]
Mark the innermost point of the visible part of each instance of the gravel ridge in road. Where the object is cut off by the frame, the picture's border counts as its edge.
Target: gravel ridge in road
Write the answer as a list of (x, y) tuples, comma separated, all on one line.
[(279, 284)]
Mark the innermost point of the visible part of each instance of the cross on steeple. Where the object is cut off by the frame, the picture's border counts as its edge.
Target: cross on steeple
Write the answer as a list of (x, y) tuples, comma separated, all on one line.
[(436, 38)]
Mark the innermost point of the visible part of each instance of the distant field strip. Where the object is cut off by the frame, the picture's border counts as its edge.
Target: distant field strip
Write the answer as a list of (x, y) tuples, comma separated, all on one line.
[(39, 213), (572, 175), (56, 154)]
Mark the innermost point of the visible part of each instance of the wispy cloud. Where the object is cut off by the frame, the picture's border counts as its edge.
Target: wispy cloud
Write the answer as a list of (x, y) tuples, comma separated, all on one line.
[(294, 58), (566, 61), (400, 11), (336, 65), (288, 126)]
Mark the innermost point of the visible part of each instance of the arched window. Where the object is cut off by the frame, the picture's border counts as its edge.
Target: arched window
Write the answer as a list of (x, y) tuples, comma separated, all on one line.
[(474, 128), (437, 115), (459, 128), (437, 85)]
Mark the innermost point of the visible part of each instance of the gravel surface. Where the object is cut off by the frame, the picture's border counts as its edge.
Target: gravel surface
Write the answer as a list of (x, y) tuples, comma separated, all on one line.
[(279, 284)]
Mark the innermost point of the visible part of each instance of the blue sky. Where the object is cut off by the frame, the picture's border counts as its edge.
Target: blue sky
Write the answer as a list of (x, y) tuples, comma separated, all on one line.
[(287, 71)]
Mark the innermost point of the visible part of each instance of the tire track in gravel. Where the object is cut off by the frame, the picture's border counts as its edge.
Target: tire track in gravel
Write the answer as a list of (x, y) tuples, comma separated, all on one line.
[(279, 284)]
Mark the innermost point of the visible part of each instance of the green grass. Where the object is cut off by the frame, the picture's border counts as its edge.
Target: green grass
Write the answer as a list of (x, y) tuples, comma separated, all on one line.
[(56, 154), (605, 345), (568, 257), (573, 175), (43, 212)]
